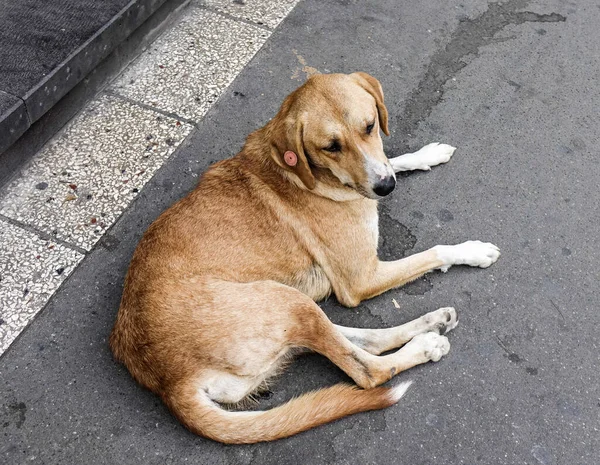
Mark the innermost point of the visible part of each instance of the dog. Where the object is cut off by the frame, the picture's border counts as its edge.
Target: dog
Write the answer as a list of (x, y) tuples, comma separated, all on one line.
[(221, 289)]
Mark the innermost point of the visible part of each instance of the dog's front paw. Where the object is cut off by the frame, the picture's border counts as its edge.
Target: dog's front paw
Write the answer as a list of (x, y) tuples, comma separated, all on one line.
[(433, 154), (423, 159), (471, 253)]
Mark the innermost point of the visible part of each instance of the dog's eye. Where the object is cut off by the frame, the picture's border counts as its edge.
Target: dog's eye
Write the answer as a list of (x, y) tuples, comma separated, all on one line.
[(370, 127), (334, 147)]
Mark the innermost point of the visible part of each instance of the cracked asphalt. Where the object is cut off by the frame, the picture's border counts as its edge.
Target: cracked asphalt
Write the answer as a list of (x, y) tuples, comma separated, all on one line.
[(514, 86)]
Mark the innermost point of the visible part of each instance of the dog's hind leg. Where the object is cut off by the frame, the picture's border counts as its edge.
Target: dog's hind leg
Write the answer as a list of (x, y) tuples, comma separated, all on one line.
[(377, 341), (258, 323), (423, 159), (369, 370), (317, 333)]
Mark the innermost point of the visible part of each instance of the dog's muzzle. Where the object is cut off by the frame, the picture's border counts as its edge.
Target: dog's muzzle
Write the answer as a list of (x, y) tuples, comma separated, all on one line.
[(385, 186)]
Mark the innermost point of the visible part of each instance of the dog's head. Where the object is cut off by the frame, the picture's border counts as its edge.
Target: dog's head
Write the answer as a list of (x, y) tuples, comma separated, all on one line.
[(331, 125)]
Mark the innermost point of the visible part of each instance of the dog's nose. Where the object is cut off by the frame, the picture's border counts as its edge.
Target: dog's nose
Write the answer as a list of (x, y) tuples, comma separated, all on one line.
[(385, 186)]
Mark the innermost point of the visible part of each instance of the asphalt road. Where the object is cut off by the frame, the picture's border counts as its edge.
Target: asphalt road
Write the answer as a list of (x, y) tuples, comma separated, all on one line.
[(514, 86)]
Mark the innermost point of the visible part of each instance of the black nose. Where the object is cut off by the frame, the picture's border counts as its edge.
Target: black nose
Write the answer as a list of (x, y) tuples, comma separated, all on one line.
[(385, 186)]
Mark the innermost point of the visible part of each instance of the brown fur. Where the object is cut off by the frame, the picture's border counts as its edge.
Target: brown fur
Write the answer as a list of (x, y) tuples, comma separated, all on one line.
[(223, 284)]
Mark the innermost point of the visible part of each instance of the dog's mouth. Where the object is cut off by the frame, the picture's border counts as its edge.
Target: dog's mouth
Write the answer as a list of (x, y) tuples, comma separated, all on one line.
[(368, 193)]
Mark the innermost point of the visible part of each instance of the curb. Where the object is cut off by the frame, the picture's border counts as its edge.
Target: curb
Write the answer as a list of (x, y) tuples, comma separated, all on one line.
[(18, 114)]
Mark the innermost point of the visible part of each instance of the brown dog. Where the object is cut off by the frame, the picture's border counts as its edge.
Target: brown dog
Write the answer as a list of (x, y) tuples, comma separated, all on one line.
[(222, 287)]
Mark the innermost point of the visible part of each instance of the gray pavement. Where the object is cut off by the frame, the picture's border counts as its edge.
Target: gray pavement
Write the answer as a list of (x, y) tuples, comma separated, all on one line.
[(517, 94)]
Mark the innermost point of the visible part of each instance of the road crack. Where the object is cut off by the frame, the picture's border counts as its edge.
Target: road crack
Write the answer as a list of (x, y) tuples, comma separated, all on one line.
[(465, 42)]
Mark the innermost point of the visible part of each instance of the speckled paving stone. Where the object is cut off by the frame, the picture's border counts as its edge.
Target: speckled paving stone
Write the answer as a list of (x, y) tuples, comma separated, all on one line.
[(267, 12), (80, 183), (31, 269), (187, 69)]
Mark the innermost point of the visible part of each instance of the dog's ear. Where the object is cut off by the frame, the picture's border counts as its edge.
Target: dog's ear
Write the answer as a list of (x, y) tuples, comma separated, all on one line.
[(373, 87), (289, 137)]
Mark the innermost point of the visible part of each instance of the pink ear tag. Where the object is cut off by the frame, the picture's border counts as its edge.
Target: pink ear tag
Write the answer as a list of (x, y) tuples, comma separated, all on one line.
[(290, 158)]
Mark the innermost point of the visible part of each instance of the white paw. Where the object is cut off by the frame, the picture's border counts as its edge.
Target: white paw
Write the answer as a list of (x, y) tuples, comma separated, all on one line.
[(434, 154), (430, 155), (472, 253), (432, 345), (442, 320)]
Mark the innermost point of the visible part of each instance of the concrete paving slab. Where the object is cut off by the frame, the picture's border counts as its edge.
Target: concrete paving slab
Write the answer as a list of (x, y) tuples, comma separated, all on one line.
[(262, 12), (31, 270), (81, 182), (188, 68)]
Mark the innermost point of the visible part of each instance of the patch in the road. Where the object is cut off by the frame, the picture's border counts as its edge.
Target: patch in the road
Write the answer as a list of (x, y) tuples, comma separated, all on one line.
[(445, 216), (542, 455), (418, 287), (307, 70), (15, 414), (465, 42), (395, 239), (516, 358)]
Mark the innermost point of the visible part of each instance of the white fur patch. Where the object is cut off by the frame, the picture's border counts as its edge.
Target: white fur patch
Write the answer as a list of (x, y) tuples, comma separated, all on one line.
[(397, 392), (430, 155), (225, 387), (372, 222), (432, 345), (472, 253), (381, 171), (377, 170)]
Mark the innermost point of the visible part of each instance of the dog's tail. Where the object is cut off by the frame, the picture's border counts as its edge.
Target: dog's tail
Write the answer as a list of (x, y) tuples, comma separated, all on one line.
[(205, 418)]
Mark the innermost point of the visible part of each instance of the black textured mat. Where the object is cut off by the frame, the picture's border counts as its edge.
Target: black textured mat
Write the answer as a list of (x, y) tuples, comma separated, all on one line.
[(37, 35), (48, 46)]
